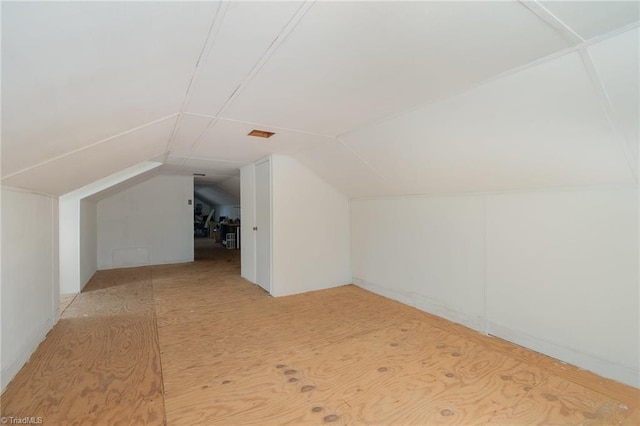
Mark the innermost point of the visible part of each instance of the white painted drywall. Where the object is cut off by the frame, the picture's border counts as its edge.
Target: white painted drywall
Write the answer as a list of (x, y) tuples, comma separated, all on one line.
[(69, 228), (555, 271), (150, 223), (248, 221), (78, 226), (29, 275), (562, 277), (425, 252), (311, 238), (88, 240)]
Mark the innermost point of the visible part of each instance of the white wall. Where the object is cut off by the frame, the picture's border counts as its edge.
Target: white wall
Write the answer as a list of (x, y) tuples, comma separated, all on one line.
[(78, 225), (88, 240), (248, 221), (311, 239), (69, 223), (78, 239), (147, 224), (556, 271), (29, 275)]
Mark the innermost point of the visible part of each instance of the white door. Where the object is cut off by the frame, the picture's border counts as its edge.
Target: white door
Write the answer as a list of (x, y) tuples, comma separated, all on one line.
[(263, 224)]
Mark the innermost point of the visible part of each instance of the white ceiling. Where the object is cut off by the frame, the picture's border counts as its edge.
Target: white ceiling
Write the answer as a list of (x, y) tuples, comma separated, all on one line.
[(378, 98)]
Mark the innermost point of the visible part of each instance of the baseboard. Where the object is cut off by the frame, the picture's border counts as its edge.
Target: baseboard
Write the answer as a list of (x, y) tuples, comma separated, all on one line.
[(167, 262), (423, 303), (9, 371), (594, 364)]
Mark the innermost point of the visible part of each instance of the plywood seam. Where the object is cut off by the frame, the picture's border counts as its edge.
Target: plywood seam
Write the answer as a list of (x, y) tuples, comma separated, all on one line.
[(157, 343)]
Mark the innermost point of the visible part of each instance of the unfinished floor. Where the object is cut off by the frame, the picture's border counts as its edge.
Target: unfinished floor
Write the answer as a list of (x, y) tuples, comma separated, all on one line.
[(196, 344)]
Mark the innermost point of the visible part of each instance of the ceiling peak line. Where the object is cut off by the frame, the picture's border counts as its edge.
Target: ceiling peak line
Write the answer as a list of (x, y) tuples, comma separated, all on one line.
[(506, 73), (609, 110), (126, 132), (293, 22), (207, 46), (195, 143), (365, 162), (462, 91), (275, 44), (553, 21)]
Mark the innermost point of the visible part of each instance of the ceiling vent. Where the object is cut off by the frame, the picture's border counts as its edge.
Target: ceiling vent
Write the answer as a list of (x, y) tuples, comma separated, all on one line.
[(199, 174), (261, 133)]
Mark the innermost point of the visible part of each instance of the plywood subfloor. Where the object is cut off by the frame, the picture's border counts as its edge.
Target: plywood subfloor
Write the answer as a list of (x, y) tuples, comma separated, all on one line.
[(196, 344)]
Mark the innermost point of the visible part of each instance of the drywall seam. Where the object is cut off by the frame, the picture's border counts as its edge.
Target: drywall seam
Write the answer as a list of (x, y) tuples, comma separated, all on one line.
[(209, 42), (553, 21), (505, 192), (151, 123), (280, 38), (363, 161), (609, 110), (28, 191), (458, 93)]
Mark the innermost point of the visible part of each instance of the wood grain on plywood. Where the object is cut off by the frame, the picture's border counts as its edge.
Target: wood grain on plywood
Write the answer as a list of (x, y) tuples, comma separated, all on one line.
[(233, 355)]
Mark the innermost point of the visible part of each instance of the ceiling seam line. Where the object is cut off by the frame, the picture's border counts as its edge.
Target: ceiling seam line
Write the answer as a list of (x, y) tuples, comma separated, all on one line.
[(126, 132), (293, 22), (530, 190), (365, 162), (195, 143), (553, 21), (259, 124), (610, 112), (511, 71), (275, 44), (209, 42)]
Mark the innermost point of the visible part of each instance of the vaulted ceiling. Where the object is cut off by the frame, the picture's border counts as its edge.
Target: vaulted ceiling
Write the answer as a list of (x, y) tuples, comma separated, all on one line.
[(378, 98)]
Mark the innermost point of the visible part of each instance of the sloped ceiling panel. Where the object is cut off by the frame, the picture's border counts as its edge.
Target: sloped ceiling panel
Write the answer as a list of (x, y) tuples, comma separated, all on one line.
[(593, 18), (246, 33), (538, 128), (347, 63), (87, 165), (340, 167), (75, 73), (617, 63)]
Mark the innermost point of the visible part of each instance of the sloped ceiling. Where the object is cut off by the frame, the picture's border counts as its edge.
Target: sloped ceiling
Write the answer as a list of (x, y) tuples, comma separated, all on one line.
[(378, 98)]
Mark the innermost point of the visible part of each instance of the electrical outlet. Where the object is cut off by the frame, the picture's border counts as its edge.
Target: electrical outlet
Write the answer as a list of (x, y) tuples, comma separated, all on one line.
[(190, 202)]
